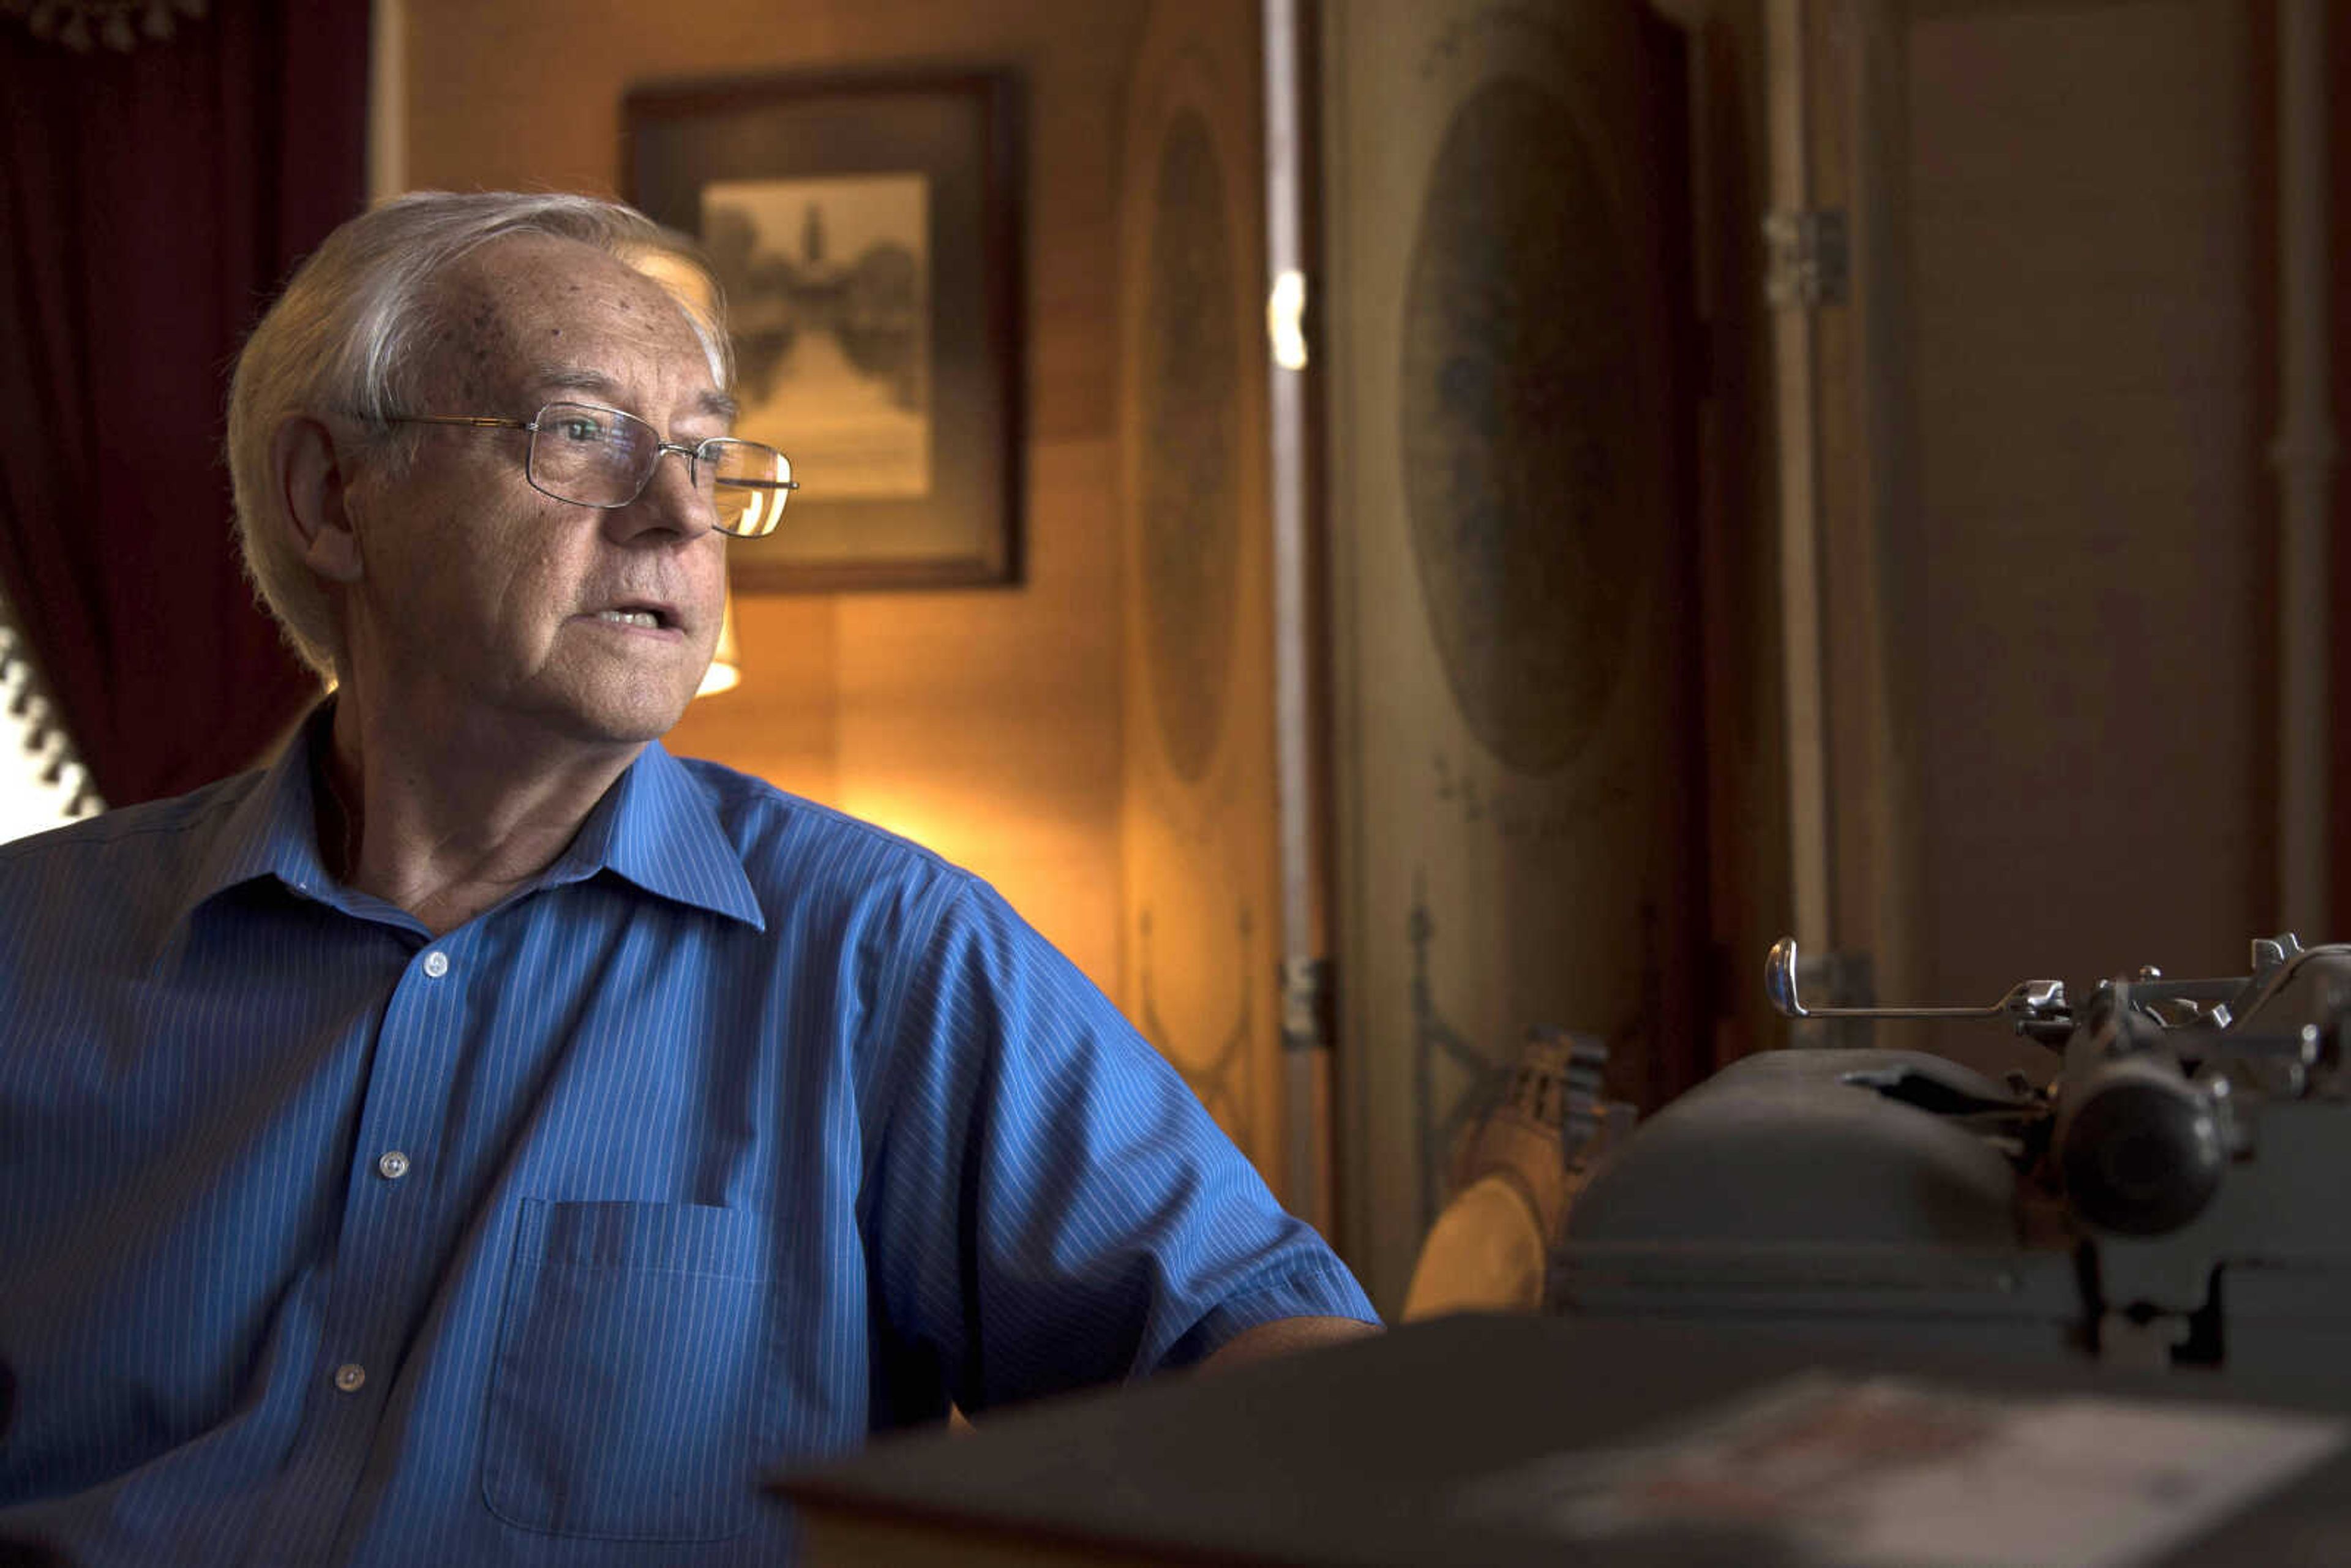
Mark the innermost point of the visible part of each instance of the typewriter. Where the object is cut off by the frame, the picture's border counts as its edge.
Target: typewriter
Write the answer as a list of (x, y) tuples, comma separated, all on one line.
[(2177, 1193)]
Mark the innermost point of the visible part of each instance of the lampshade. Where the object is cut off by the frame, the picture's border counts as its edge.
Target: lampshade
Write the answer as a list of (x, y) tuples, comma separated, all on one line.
[(725, 670)]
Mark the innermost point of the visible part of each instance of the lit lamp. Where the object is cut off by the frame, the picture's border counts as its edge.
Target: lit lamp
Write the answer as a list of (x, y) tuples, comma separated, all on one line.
[(725, 672)]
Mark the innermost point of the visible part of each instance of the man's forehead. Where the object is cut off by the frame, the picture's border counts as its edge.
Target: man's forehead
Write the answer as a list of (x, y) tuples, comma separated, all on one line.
[(535, 312)]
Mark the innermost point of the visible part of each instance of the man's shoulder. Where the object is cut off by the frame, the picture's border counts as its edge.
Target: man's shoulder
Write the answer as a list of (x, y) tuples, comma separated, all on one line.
[(154, 831), (792, 846), (114, 882)]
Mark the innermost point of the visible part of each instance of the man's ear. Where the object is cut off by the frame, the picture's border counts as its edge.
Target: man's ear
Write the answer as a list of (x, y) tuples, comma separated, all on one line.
[(309, 469)]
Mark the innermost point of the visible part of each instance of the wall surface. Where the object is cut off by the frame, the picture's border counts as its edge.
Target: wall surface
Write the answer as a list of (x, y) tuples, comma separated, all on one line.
[(983, 723)]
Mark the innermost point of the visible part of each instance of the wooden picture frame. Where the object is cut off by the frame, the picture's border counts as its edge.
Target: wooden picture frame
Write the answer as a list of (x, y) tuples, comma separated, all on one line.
[(867, 229)]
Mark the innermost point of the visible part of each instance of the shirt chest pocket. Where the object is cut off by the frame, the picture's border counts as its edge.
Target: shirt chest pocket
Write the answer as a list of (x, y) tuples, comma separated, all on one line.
[(634, 1372)]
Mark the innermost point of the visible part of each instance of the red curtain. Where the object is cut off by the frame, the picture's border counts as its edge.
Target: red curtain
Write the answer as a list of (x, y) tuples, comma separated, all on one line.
[(151, 201)]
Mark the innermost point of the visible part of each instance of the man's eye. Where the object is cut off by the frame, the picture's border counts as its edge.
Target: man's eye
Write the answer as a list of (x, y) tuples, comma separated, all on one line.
[(580, 430)]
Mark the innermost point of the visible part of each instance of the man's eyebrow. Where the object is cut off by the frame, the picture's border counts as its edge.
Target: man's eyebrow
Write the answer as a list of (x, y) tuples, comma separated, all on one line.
[(570, 378), (712, 403)]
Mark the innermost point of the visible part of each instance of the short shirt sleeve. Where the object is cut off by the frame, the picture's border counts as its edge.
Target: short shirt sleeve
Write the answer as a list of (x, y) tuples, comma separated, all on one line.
[(1047, 1204)]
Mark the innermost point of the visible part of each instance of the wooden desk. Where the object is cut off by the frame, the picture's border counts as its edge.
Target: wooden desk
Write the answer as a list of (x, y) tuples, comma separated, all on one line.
[(1373, 1454)]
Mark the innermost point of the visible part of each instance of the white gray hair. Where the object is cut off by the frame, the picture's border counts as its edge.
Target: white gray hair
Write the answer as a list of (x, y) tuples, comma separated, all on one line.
[(345, 339)]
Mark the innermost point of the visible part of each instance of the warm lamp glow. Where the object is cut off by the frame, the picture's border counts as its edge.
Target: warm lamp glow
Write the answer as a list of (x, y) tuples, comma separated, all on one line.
[(682, 278), (725, 672)]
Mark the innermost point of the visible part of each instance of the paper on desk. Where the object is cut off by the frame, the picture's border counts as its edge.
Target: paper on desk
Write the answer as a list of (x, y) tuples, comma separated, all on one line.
[(1889, 1472)]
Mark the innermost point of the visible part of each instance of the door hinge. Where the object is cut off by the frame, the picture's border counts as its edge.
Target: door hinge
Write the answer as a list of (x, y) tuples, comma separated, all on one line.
[(1807, 259), (1309, 1007)]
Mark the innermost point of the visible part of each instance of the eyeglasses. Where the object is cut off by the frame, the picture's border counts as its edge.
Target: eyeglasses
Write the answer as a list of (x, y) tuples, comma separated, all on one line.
[(598, 456)]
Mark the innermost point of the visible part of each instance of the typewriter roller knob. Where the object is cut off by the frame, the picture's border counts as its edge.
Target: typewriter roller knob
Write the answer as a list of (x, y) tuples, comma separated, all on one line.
[(2143, 1150)]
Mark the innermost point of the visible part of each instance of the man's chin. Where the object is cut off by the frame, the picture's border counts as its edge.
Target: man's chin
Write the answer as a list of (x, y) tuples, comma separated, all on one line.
[(638, 727), (629, 717)]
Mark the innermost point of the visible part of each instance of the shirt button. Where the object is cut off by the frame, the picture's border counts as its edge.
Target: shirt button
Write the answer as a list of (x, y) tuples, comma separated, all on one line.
[(437, 963), (350, 1377), (392, 1164)]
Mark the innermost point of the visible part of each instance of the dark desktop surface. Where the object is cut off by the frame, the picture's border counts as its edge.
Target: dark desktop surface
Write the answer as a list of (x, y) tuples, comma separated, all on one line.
[(1439, 1443)]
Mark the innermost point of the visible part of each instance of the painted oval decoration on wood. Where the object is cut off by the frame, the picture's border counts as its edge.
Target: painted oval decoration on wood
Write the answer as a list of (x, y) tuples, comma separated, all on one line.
[(1524, 436), (1190, 395)]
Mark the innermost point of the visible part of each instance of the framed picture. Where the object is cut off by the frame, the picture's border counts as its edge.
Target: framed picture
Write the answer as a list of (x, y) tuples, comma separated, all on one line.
[(867, 232)]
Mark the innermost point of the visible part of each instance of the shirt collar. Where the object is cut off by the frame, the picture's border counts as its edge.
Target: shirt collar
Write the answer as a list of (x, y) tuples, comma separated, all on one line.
[(656, 828), (274, 830)]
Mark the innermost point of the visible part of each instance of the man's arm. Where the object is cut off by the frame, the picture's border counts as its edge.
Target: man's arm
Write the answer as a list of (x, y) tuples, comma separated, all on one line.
[(1046, 1190), (1282, 1336)]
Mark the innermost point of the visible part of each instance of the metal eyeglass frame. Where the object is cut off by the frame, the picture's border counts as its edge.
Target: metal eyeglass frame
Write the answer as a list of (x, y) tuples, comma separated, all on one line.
[(693, 455)]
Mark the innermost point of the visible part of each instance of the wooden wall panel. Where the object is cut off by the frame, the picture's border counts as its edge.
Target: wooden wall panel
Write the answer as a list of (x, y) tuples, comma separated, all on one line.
[(1202, 905), (986, 722)]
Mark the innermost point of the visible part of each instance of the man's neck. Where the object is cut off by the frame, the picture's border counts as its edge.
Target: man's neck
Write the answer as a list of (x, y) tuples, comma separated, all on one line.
[(446, 826)]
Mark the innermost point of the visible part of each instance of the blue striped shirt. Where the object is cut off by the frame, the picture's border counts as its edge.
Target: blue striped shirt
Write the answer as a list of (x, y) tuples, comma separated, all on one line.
[(744, 1130)]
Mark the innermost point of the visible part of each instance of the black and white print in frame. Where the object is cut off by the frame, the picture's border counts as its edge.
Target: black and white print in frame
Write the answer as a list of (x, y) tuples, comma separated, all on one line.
[(866, 230)]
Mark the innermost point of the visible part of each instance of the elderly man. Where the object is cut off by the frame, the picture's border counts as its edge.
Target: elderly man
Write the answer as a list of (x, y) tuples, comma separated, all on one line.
[(482, 1137)]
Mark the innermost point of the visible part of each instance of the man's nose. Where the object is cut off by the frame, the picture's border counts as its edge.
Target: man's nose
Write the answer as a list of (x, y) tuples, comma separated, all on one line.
[(671, 501)]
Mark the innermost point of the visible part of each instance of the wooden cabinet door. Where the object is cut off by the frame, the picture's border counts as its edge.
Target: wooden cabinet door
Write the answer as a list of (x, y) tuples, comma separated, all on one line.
[(2025, 607)]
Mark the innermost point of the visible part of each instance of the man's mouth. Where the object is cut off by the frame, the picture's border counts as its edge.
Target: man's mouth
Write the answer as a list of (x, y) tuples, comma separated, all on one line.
[(650, 618)]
